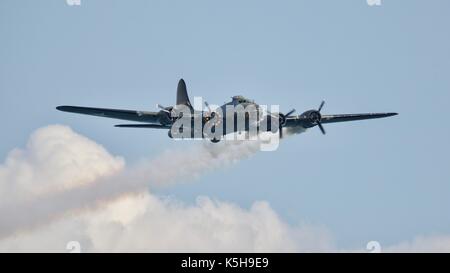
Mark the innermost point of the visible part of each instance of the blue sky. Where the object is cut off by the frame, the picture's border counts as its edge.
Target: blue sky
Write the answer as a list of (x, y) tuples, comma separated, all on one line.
[(385, 180)]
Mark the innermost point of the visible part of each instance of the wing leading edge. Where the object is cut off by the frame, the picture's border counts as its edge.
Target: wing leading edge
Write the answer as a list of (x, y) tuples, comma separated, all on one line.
[(152, 126), (132, 115), (306, 122), (353, 117)]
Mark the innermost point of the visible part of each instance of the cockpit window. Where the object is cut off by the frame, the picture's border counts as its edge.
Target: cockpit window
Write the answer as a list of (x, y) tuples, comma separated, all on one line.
[(241, 99)]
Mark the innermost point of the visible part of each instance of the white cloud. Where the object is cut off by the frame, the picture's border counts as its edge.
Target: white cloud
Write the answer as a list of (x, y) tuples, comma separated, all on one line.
[(430, 243), (62, 174), (65, 187), (145, 222), (55, 159)]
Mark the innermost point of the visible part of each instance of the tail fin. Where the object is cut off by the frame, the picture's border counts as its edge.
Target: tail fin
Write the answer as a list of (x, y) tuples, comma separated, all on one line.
[(182, 95)]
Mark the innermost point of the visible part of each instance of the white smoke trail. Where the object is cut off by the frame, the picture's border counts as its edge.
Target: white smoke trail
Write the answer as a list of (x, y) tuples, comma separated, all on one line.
[(170, 167), (61, 173)]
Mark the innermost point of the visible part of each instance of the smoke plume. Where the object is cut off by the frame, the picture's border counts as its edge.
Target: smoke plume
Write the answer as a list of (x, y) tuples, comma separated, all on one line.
[(62, 172)]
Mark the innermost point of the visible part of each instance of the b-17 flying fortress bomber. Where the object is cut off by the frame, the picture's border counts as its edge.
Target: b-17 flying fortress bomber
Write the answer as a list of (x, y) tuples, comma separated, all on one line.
[(237, 116)]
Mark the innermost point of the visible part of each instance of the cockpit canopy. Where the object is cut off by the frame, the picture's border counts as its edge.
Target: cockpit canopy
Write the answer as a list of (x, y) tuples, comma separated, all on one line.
[(241, 99)]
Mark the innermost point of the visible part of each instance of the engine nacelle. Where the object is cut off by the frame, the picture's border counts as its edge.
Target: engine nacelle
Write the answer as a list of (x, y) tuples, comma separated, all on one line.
[(165, 117), (311, 118)]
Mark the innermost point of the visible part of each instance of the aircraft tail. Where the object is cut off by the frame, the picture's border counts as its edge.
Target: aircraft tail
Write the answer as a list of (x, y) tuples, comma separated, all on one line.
[(182, 95)]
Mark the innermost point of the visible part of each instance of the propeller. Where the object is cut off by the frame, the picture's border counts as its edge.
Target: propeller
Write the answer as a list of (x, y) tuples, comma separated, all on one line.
[(207, 106), (282, 121), (170, 114), (321, 105), (163, 108), (211, 113), (321, 128), (290, 112), (316, 117)]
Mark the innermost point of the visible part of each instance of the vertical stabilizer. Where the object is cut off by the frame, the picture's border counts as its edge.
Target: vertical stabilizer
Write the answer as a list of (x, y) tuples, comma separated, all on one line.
[(182, 95)]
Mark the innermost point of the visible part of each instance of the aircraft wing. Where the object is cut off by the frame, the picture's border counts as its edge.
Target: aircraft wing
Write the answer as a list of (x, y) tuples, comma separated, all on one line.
[(352, 117), (295, 121), (152, 126), (133, 115)]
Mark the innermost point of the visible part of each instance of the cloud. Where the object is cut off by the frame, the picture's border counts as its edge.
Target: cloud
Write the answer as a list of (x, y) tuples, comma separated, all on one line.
[(430, 243), (65, 187), (148, 223), (61, 172), (55, 159)]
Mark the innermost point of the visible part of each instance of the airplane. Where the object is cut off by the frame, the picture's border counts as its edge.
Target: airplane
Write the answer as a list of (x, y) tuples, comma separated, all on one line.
[(167, 117)]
